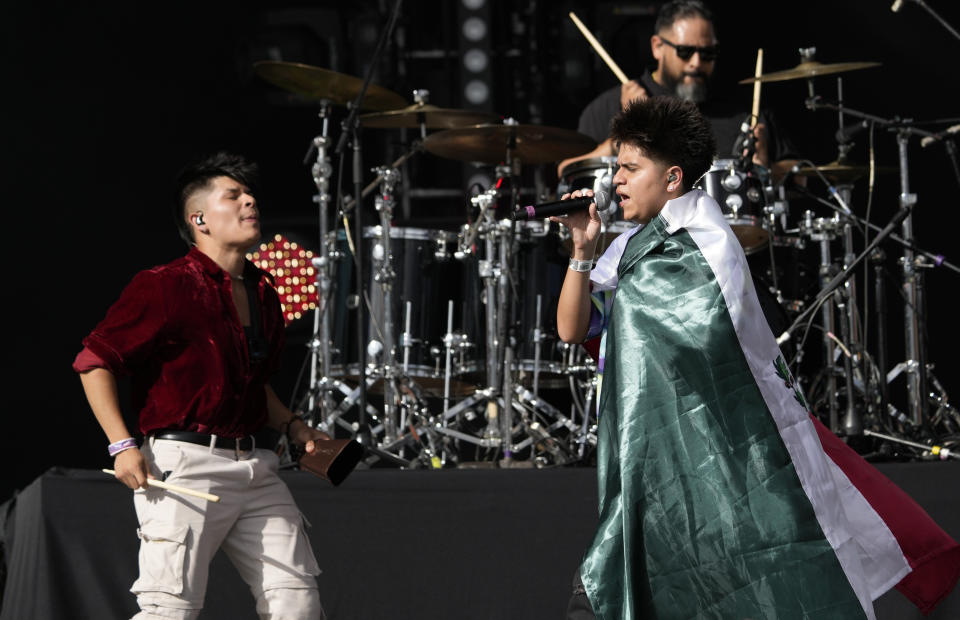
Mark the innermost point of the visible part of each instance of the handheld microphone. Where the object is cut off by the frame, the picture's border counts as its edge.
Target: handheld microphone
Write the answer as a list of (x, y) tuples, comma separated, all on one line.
[(562, 207)]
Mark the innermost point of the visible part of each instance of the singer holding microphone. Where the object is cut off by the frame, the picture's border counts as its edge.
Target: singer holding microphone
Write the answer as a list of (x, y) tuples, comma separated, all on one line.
[(716, 497)]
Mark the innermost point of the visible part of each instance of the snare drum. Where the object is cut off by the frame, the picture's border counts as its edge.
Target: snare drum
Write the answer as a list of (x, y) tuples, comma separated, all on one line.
[(740, 194), (425, 275)]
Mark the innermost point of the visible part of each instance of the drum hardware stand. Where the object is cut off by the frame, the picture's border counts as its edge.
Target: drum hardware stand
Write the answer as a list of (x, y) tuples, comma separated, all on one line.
[(835, 282), (878, 258), (505, 302), (368, 189), (586, 375), (384, 276), (535, 431), (537, 340), (912, 281), (319, 411), (938, 451), (823, 231), (320, 343), (913, 311), (351, 131), (487, 229)]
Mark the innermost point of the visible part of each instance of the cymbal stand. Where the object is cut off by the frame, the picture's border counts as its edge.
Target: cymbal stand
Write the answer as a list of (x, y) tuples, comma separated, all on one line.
[(824, 231), (384, 276), (321, 382), (854, 359), (913, 310), (491, 273), (502, 342)]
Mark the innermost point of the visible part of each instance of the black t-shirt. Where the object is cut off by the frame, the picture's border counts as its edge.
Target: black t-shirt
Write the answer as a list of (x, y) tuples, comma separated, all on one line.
[(725, 120)]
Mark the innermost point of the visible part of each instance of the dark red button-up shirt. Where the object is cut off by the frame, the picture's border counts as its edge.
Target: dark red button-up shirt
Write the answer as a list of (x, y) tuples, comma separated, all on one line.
[(175, 329)]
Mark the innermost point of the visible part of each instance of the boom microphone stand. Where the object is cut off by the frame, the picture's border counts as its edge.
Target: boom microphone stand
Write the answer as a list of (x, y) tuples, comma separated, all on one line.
[(351, 129)]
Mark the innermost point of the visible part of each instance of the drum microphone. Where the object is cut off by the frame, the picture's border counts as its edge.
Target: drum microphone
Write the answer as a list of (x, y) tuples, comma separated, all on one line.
[(844, 134), (745, 146), (562, 207)]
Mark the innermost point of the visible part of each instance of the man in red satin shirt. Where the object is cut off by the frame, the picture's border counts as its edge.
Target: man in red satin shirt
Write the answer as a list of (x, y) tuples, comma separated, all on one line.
[(200, 337)]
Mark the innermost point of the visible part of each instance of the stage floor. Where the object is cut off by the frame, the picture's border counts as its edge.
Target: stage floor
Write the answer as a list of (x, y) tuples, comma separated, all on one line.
[(453, 544)]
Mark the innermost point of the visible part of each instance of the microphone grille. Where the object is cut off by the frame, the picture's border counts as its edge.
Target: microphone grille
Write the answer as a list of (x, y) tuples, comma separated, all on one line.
[(602, 199)]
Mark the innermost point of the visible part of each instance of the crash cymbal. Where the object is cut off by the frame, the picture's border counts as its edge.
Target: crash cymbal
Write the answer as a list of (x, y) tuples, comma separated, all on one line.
[(433, 117), (842, 170), (317, 83), (531, 144), (809, 69)]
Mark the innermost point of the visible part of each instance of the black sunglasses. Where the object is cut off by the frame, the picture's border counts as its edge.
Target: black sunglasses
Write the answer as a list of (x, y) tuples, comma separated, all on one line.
[(685, 52)]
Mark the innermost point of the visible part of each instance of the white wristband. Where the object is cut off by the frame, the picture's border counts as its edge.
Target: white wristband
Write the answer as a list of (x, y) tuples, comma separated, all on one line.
[(581, 265)]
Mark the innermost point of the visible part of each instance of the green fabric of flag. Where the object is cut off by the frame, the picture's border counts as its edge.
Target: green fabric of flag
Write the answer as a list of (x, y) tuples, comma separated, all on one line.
[(702, 514)]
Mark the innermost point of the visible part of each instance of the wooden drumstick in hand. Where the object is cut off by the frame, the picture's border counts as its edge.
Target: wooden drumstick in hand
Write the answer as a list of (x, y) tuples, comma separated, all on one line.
[(160, 484), (617, 71), (755, 112)]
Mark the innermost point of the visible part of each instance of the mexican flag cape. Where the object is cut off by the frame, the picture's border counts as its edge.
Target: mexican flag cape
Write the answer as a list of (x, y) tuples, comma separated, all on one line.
[(718, 496)]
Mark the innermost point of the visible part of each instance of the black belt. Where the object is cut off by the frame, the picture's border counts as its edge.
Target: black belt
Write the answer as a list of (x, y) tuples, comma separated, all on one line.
[(202, 439)]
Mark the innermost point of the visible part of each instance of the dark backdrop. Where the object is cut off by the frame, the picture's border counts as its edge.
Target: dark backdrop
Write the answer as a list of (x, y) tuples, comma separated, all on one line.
[(105, 101)]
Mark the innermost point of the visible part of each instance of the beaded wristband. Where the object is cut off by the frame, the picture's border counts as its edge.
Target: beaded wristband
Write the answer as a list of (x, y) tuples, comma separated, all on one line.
[(581, 265), (119, 446)]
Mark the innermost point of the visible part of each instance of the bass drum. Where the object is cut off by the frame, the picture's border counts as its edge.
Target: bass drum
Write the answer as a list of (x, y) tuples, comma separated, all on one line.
[(541, 267), (425, 278), (740, 194)]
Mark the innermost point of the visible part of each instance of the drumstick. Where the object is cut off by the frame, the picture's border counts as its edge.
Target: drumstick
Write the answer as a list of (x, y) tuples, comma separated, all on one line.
[(599, 49), (755, 112), (160, 484)]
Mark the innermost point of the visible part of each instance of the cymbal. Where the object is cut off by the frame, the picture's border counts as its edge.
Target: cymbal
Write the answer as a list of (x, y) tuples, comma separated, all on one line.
[(809, 69), (843, 170), (531, 144), (433, 117), (317, 83)]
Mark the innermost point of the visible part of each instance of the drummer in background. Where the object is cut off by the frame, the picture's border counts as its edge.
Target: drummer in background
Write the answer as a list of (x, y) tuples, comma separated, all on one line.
[(685, 46)]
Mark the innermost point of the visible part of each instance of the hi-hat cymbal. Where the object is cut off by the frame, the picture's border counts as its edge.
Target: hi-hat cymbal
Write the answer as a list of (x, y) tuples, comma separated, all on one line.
[(433, 117), (809, 69), (317, 83), (531, 144), (842, 170)]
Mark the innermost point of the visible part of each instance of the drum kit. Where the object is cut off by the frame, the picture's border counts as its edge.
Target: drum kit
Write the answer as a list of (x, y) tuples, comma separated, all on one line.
[(454, 358)]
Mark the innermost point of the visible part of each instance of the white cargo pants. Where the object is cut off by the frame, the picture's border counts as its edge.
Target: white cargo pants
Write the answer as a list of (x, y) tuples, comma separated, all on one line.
[(256, 523)]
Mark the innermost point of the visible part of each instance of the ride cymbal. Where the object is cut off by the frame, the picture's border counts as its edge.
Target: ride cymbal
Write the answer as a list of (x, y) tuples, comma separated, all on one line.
[(433, 117), (490, 144), (809, 69), (317, 83)]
